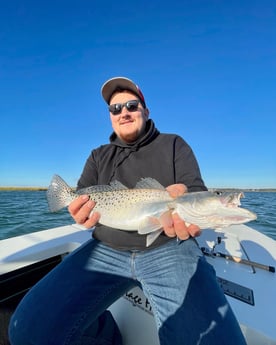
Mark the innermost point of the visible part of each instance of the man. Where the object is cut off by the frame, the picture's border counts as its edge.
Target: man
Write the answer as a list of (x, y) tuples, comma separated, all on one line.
[(189, 307)]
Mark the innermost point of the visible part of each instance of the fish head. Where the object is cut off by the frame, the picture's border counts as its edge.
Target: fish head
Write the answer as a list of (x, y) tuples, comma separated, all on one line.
[(213, 209), (228, 199)]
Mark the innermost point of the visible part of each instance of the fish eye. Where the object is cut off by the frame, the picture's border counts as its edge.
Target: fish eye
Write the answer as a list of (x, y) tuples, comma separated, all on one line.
[(217, 192)]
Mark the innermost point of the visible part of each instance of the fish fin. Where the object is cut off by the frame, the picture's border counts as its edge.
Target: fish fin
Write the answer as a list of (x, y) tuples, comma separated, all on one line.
[(149, 183), (152, 237), (149, 224), (59, 194), (117, 185), (166, 218)]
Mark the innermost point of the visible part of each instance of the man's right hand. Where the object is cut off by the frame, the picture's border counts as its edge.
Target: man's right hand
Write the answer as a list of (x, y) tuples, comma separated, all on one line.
[(81, 211)]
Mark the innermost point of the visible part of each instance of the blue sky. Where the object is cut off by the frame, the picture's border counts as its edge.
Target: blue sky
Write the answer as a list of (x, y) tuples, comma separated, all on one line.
[(207, 70)]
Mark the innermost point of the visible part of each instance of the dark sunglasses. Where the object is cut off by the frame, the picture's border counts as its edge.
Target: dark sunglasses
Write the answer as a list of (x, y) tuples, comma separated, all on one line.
[(117, 108)]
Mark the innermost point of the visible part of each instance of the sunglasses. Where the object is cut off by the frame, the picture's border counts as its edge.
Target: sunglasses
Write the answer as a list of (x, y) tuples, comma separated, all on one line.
[(117, 108)]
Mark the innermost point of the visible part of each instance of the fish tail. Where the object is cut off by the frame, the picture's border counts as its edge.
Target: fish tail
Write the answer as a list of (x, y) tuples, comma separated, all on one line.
[(59, 194)]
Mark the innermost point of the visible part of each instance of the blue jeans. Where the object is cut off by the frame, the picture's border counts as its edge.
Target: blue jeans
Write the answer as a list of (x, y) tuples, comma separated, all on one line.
[(188, 305)]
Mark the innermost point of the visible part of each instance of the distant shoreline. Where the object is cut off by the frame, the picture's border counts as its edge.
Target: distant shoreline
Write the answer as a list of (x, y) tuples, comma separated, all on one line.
[(39, 189), (271, 190)]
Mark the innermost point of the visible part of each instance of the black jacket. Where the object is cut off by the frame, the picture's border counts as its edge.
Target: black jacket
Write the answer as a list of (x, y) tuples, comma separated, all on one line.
[(164, 157)]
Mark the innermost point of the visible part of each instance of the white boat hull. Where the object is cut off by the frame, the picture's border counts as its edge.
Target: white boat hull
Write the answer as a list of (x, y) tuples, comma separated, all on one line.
[(249, 286)]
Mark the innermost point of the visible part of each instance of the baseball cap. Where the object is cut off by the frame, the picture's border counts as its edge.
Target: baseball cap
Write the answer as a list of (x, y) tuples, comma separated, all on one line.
[(111, 85)]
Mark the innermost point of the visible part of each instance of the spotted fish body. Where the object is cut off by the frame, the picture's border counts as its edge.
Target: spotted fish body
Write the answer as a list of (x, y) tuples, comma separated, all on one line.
[(140, 209)]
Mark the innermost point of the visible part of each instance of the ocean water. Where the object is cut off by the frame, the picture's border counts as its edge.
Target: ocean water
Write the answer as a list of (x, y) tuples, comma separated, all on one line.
[(23, 212)]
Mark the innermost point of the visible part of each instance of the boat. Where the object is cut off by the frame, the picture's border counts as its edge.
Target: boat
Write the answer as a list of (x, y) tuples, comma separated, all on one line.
[(244, 260)]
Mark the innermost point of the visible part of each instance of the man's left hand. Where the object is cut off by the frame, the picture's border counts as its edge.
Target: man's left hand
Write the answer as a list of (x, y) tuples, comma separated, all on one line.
[(173, 225)]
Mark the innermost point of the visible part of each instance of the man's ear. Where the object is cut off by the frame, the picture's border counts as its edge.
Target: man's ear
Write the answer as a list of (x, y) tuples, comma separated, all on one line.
[(146, 112)]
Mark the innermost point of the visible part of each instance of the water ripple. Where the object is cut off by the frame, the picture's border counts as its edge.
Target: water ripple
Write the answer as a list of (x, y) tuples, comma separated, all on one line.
[(23, 212)]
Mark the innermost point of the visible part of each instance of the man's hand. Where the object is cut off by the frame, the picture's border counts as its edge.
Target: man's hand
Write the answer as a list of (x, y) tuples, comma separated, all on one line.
[(173, 225), (81, 211)]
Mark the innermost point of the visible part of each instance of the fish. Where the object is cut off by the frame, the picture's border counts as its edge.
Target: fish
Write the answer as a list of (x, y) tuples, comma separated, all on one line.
[(141, 208)]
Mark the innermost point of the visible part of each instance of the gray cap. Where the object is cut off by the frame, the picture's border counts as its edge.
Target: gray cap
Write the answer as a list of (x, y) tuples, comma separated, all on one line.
[(111, 85)]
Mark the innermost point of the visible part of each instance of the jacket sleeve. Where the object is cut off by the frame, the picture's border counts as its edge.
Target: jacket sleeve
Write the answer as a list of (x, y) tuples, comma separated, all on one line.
[(186, 167)]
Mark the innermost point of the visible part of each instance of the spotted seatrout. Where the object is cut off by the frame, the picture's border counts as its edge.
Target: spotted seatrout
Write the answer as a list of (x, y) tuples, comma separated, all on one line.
[(140, 209)]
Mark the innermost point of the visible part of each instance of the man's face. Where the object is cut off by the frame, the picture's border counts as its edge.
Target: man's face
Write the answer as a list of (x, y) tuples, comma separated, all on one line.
[(128, 125)]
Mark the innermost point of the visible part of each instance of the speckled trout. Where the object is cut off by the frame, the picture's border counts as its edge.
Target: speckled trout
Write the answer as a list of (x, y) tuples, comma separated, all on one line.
[(141, 208)]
